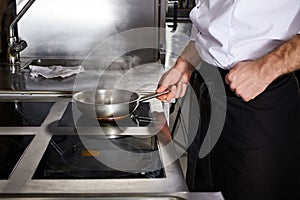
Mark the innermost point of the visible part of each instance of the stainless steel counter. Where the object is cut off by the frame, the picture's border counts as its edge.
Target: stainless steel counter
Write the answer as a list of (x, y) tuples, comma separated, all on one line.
[(143, 78)]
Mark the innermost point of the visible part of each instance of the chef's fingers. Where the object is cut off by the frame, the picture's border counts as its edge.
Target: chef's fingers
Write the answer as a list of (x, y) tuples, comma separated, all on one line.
[(162, 88), (183, 89), (175, 91), (163, 85), (179, 89), (172, 93), (227, 81)]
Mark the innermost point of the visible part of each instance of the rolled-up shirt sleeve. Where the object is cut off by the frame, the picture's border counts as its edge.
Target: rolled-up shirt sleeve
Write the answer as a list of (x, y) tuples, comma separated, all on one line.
[(194, 32)]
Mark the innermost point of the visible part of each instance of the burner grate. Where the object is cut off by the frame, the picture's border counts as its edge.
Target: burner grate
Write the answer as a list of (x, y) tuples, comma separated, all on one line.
[(66, 157)]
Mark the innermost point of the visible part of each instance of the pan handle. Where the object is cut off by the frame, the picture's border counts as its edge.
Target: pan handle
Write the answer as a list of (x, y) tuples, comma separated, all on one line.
[(153, 95)]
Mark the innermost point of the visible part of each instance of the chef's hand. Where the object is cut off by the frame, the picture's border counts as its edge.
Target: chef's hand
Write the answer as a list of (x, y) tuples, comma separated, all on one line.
[(249, 79), (176, 80)]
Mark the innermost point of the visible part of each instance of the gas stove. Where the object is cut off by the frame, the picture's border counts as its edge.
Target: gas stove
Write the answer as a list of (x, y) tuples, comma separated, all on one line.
[(45, 151), (77, 156), (69, 156)]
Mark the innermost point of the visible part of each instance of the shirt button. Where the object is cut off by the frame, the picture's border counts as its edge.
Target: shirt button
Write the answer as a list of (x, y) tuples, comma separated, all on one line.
[(200, 4)]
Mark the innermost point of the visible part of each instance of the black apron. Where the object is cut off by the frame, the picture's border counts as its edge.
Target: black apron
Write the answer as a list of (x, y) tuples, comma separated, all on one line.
[(257, 154)]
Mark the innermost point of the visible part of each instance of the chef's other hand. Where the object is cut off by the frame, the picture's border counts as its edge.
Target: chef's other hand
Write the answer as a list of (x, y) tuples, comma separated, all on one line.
[(249, 79), (176, 80)]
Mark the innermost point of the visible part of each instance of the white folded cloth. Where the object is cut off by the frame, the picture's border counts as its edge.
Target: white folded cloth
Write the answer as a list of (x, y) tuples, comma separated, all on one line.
[(54, 71)]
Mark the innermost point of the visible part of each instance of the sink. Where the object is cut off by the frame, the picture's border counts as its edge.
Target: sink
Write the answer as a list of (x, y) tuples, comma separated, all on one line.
[(95, 74), (97, 63), (98, 73), (51, 62)]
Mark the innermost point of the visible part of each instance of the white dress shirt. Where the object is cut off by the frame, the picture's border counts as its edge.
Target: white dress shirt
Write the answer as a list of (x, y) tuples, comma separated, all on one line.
[(229, 31)]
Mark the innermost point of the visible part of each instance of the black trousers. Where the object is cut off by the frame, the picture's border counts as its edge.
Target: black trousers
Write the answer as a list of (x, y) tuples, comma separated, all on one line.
[(258, 153)]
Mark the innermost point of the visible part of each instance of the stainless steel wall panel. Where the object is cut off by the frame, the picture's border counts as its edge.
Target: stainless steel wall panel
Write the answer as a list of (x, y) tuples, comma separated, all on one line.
[(73, 28)]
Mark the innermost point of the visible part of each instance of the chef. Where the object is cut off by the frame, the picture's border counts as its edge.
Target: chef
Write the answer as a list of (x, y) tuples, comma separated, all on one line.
[(255, 46)]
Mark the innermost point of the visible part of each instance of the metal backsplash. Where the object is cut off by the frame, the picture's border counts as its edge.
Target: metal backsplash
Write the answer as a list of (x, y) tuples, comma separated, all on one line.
[(73, 28), (7, 14)]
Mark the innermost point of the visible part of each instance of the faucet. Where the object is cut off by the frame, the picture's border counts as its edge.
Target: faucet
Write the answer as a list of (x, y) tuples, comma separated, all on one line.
[(14, 45)]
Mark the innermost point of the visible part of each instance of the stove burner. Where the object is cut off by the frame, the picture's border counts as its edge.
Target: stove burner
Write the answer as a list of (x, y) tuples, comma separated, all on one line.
[(11, 150), (67, 157), (112, 119), (136, 119)]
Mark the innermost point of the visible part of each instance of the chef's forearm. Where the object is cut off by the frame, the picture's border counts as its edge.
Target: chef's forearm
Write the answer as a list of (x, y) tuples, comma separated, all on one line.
[(189, 58), (191, 54), (284, 59)]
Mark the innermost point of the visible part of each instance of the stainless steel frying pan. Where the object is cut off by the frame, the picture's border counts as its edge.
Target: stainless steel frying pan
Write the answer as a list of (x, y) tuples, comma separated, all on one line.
[(110, 104)]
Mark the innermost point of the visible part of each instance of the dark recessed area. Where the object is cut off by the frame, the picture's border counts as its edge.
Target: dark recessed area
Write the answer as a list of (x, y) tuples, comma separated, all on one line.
[(12, 148), (74, 157), (23, 114)]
